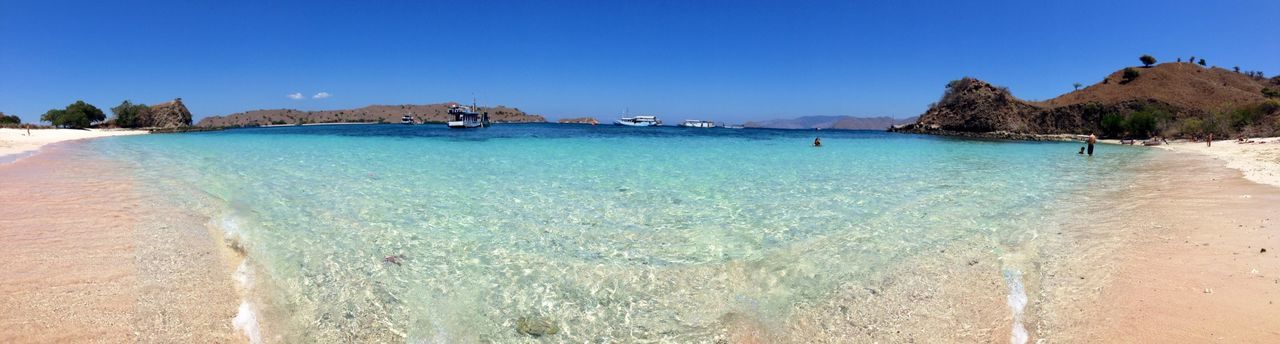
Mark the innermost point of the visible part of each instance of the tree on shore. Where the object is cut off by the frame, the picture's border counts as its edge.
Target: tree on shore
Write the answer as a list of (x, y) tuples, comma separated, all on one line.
[(76, 115), (130, 115), (1112, 125), (1237, 69), (1147, 60), (1076, 85), (1202, 62), (14, 119)]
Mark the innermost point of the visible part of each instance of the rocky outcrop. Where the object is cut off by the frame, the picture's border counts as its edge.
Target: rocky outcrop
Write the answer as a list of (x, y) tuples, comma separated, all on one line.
[(171, 114), (579, 120), (427, 113), (971, 107)]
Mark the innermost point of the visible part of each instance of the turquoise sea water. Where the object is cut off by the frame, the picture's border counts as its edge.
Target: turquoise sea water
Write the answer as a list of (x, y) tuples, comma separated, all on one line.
[(609, 233)]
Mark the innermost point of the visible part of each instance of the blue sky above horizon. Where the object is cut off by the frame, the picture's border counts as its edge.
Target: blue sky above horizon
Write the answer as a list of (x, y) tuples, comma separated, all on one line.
[(723, 60)]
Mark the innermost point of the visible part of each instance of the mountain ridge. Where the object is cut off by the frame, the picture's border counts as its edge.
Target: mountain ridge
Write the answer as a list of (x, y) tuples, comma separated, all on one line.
[(372, 113)]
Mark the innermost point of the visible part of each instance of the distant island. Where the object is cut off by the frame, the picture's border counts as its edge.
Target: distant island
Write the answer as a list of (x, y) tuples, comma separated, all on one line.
[(579, 120), (426, 113), (1168, 100), (831, 122)]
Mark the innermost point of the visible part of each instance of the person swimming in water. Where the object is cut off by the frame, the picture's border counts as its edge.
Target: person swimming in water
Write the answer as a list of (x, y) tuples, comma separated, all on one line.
[(817, 142), (1081, 151)]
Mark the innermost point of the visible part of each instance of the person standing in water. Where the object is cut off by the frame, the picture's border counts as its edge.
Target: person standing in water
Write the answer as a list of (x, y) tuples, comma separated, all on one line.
[(817, 142), (1092, 140)]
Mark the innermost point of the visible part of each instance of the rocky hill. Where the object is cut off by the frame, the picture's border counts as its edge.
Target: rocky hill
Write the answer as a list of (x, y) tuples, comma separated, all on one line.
[(171, 114), (372, 113), (1176, 94), (830, 122)]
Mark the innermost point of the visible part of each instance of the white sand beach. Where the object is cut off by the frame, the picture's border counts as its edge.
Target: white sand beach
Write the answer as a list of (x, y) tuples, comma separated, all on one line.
[(16, 141), (1259, 160)]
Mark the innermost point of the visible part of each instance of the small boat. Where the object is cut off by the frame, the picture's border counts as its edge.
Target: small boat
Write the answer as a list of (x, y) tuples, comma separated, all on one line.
[(693, 123), (406, 119), (639, 121), (462, 117), (733, 126)]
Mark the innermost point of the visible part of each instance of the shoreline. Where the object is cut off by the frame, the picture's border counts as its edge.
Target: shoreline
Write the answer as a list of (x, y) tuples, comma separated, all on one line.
[(1188, 265), (99, 258), (1180, 261), (17, 143)]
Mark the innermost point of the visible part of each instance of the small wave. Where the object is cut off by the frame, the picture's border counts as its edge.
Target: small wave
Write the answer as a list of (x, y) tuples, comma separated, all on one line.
[(1017, 300), (246, 320)]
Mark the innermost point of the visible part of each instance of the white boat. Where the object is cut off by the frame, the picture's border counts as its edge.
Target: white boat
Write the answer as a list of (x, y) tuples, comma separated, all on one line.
[(463, 117), (406, 119), (639, 121), (694, 123)]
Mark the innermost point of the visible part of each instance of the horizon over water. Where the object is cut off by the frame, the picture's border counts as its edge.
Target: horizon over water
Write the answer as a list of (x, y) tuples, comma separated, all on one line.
[(375, 233)]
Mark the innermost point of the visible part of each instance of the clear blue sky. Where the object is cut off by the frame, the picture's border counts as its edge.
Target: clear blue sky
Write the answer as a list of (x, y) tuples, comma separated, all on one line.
[(730, 61)]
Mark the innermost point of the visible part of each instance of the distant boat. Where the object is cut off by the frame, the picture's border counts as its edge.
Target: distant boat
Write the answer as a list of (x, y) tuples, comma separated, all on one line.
[(734, 126), (406, 119), (639, 121), (462, 117), (693, 123)]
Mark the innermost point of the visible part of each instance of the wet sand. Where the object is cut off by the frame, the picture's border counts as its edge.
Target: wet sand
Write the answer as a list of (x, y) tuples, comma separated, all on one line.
[(88, 257)]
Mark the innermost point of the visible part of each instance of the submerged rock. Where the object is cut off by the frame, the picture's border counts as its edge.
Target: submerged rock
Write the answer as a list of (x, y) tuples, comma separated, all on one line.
[(536, 326)]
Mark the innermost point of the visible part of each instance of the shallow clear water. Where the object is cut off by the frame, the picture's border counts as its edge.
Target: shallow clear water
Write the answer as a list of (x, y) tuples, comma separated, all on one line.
[(610, 233)]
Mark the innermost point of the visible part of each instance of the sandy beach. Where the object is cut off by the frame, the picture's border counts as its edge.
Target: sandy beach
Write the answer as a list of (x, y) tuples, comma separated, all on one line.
[(17, 141), (88, 256), (1258, 160), (1195, 260)]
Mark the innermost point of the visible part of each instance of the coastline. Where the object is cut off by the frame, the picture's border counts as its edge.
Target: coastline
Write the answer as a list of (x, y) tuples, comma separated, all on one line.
[(16, 142), (96, 257), (1186, 264), (1172, 255), (1258, 161)]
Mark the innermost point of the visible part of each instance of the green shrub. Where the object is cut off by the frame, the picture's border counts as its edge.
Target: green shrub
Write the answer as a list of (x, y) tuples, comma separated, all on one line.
[(1130, 74), (9, 119), (1112, 125), (1192, 126), (76, 115), (1218, 124), (1141, 123), (1269, 107), (1147, 60), (1270, 92), (130, 115)]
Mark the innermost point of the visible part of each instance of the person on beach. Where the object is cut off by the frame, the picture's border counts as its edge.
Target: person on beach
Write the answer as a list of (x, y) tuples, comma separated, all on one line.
[(1092, 140), (817, 142), (1209, 142)]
